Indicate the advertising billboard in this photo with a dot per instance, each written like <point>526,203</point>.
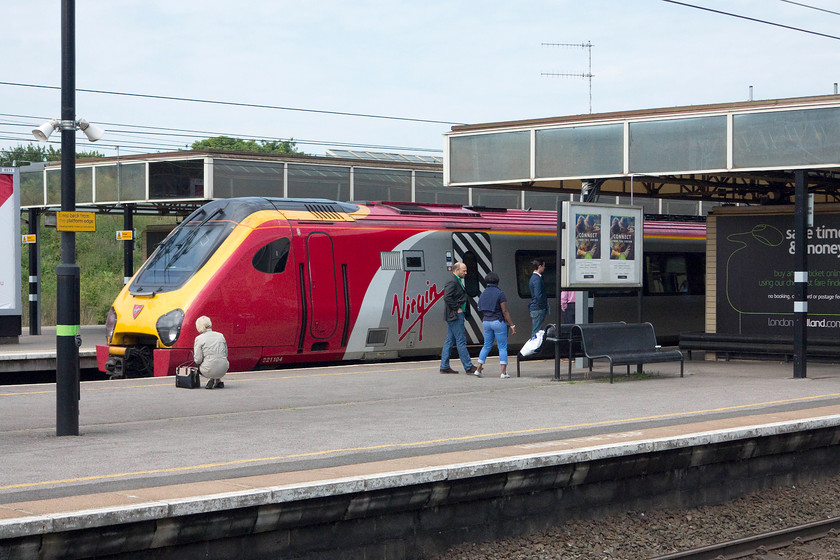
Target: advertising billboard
<point>10,301</point>
<point>755,266</point>
<point>602,245</point>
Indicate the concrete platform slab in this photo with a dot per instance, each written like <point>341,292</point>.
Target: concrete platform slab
<point>146,444</point>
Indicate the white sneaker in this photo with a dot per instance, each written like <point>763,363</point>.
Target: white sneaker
<point>505,376</point>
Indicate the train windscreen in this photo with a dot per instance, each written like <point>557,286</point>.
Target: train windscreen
<point>182,253</point>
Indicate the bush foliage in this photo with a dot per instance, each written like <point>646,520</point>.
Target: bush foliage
<point>100,259</point>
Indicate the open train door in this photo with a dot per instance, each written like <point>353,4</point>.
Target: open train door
<point>473,249</point>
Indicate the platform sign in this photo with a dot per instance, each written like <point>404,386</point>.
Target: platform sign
<point>75,221</point>
<point>602,245</point>
<point>10,297</point>
<point>125,234</point>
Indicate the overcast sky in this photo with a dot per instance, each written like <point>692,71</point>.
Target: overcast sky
<point>464,61</point>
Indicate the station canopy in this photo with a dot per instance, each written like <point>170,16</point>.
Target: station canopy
<point>743,152</point>
<point>178,182</point>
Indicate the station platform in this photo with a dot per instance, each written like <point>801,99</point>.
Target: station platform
<point>147,448</point>
<point>37,352</point>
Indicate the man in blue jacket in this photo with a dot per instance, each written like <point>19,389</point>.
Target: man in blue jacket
<point>539,300</point>
<point>455,306</point>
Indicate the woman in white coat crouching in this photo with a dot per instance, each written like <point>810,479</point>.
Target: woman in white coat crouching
<point>210,353</point>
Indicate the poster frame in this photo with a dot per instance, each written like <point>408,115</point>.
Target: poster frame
<point>596,265</point>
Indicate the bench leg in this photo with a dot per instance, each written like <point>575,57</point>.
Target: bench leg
<point>517,363</point>
<point>571,359</point>
<point>682,363</point>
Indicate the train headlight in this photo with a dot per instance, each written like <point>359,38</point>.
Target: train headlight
<point>169,326</point>
<point>110,324</point>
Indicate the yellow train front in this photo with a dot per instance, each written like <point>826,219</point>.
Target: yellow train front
<point>213,264</point>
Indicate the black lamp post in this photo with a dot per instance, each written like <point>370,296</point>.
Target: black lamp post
<point>68,315</point>
<point>68,328</point>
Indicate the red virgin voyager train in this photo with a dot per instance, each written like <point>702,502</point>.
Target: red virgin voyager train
<point>305,280</point>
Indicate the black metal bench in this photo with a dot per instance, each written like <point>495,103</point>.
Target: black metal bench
<point>565,344</point>
<point>623,344</point>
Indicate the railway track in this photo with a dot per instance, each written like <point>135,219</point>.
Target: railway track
<point>759,544</point>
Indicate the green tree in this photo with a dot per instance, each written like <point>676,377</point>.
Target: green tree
<point>25,153</point>
<point>29,153</point>
<point>226,143</point>
<point>83,155</point>
<point>100,259</point>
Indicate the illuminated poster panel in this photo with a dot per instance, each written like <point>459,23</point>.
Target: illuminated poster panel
<point>10,241</point>
<point>755,264</point>
<point>602,245</point>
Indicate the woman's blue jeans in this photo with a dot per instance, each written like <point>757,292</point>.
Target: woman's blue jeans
<point>494,331</point>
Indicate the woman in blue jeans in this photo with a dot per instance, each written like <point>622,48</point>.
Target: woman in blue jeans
<point>494,312</point>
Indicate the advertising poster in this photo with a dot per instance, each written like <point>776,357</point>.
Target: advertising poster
<point>622,245</point>
<point>602,245</point>
<point>755,265</point>
<point>587,247</point>
<point>9,242</point>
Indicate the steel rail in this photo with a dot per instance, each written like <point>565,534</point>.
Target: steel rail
<point>746,546</point>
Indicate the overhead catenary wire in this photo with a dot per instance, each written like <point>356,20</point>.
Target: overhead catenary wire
<point>123,137</point>
<point>753,19</point>
<point>173,145</point>
<point>811,7</point>
<point>238,104</point>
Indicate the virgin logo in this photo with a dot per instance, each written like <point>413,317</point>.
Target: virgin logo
<point>413,309</point>
<point>136,311</point>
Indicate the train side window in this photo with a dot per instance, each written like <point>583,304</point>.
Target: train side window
<point>272,258</point>
<point>413,260</point>
<point>524,269</point>
<point>666,274</point>
<point>696,273</point>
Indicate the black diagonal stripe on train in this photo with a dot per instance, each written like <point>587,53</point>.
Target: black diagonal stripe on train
<point>477,245</point>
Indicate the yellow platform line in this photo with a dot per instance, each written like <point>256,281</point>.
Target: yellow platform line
<point>412,444</point>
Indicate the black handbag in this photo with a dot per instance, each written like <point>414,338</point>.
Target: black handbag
<point>187,376</point>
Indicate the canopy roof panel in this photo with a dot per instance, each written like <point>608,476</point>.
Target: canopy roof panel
<point>745,149</point>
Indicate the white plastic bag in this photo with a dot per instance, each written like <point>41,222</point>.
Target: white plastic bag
<point>533,345</point>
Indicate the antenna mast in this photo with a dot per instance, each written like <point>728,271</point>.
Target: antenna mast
<point>588,75</point>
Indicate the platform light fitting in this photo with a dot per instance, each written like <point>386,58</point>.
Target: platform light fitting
<point>43,132</point>
<point>92,131</point>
